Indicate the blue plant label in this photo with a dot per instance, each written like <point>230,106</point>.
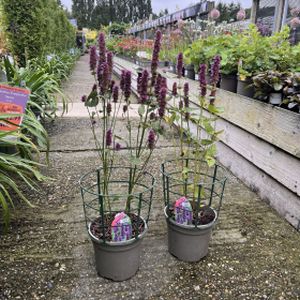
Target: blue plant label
<point>183,211</point>
<point>121,228</point>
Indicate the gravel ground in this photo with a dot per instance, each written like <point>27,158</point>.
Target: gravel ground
<point>254,253</point>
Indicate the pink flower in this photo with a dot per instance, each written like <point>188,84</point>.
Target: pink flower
<point>295,11</point>
<point>241,15</point>
<point>215,14</point>
<point>295,22</point>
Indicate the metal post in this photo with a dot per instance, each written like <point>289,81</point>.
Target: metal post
<point>279,15</point>
<point>254,11</point>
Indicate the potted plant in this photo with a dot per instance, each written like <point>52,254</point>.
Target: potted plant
<point>117,199</point>
<point>270,85</point>
<point>291,93</point>
<point>193,183</point>
<point>229,63</point>
<point>251,52</point>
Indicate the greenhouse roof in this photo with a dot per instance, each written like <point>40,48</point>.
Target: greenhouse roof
<point>189,12</point>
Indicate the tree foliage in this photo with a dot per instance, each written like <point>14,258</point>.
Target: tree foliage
<point>228,11</point>
<point>93,14</point>
<point>36,27</point>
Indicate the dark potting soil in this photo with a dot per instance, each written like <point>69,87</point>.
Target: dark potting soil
<point>138,226</point>
<point>205,215</point>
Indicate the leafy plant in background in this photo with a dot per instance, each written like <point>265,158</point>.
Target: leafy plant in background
<point>15,170</point>
<point>251,51</point>
<point>269,82</point>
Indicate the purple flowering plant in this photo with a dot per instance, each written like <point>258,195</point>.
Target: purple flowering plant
<point>109,103</point>
<point>197,121</point>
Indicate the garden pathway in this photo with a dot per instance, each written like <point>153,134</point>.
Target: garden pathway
<point>254,254</point>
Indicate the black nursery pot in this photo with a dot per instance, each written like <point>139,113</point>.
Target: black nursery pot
<point>229,83</point>
<point>245,88</point>
<point>189,72</point>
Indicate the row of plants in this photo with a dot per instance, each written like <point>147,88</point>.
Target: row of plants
<point>252,64</point>
<point>20,149</point>
<point>117,196</point>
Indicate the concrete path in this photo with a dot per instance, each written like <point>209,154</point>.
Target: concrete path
<point>254,254</point>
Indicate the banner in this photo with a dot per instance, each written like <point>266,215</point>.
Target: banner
<point>13,100</point>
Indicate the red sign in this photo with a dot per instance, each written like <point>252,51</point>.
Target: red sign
<point>13,100</point>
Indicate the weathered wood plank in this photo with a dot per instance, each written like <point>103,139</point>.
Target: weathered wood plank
<point>280,165</point>
<point>286,203</point>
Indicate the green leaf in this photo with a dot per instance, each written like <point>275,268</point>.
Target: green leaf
<point>141,110</point>
<point>206,142</point>
<point>215,110</point>
<point>210,161</point>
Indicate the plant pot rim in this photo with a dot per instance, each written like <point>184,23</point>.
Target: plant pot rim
<point>191,227</point>
<point>247,79</point>
<point>118,244</point>
<point>232,75</point>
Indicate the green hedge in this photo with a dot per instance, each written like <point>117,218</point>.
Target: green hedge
<point>35,28</point>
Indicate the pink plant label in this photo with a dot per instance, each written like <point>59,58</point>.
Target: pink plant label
<point>121,228</point>
<point>183,211</point>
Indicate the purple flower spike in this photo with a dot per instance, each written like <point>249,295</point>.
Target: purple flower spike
<point>115,94</point>
<point>122,81</point>
<point>93,58</point>
<point>174,89</point>
<point>143,87</point>
<point>179,65</point>
<point>110,63</point>
<point>155,54</point>
<point>151,139</point>
<point>186,99</point>
<point>83,98</point>
<point>108,137</point>
<point>103,77</point>
<point>118,147</point>
<point>102,48</point>
<point>164,83</point>
<point>152,116</point>
<point>215,70</point>
<point>127,85</point>
<point>157,85</point>
<point>202,80</point>
<point>108,109</point>
<point>125,108</point>
<point>94,87</point>
<point>180,104</point>
<point>162,102</point>
<point>112,84</point>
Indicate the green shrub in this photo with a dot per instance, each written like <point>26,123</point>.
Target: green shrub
<point>36,27</point>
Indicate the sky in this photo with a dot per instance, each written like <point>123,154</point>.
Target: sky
<point>158,5</point>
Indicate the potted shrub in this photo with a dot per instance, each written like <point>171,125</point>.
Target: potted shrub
<point>270,84</point>
<point>117,199</point>
<point>251,52</point>
<point>193,183</point>
<point>229,63</point>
